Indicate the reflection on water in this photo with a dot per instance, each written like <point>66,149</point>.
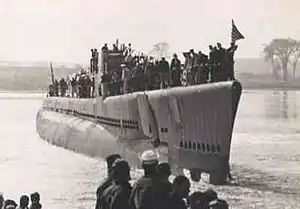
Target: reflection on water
<point>281,105</point>
<point>267,112</point>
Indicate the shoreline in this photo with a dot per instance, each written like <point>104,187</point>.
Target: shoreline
<point>22,91</point>
<point>256,85</point>
<point>268,88</point>
<point>245,87</point>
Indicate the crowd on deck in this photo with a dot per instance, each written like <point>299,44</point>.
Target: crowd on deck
<point>131,72</point>
<point>80,85</point>
<point>140,72</point>
<point>23,204</point>
<point>153,190</point>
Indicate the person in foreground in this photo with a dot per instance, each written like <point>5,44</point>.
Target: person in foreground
<point>108,180</point>
<point>180,190</point>
<point>116,196</point>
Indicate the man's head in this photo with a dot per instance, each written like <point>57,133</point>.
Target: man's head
<point>210,47</point>
<point>35,197</point>
<point>181,186</point>
<point>110,160</point>
<point>219,45</point>
<point>175,55</point>
<point>10,204</point>
<point>121,171</point>
<point>210,194</point>
<point>149,160</point>
<point>24,201</point>
<point>163,170</point>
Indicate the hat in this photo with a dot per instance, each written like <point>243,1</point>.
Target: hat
<point>10,204</point>
<point>149,157</point>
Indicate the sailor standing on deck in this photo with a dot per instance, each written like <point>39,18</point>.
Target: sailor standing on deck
<point>230,60</point>
<point>213,63</point>
<point>92,60</point>
<point>203,70</point>
<point>125,77</point>
<point>95,61</point>
<point>164,72</point>
<point>180,190</point>
<point>175,71</point>
<point>221,70</point>
<point>128,50</point>
<point>193,67</point>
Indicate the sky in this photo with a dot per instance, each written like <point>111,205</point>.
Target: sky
<point>65,30</point>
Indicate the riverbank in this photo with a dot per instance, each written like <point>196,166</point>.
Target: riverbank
<point>270,87</point>
<point>246,86</point>
<point>266,82</point>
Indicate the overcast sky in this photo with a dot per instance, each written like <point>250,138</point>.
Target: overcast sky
<point>65,30</point>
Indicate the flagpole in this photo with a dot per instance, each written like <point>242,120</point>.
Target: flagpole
<point>52,73</point>
<point>232,24</point>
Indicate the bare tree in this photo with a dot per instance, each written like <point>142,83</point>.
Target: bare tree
<point>283,49</point>
<point>295,57</point>
<point>160,50</point>
<point>269,55</point>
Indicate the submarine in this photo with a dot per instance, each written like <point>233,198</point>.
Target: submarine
<point>190,127</point>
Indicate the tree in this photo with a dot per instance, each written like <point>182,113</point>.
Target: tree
<point>294,61</point>
<point>282,49</point>
<point>269,55</point>
<point>160,50</point>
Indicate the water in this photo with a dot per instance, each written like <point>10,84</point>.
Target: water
<point>265,156</point>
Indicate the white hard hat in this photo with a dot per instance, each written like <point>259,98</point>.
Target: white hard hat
<point>149,157</point>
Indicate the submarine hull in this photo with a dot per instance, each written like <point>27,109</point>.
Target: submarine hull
<point>190,127</point>
<point>88,138</point>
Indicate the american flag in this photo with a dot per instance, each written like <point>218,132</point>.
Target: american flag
<point>235,33</point>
